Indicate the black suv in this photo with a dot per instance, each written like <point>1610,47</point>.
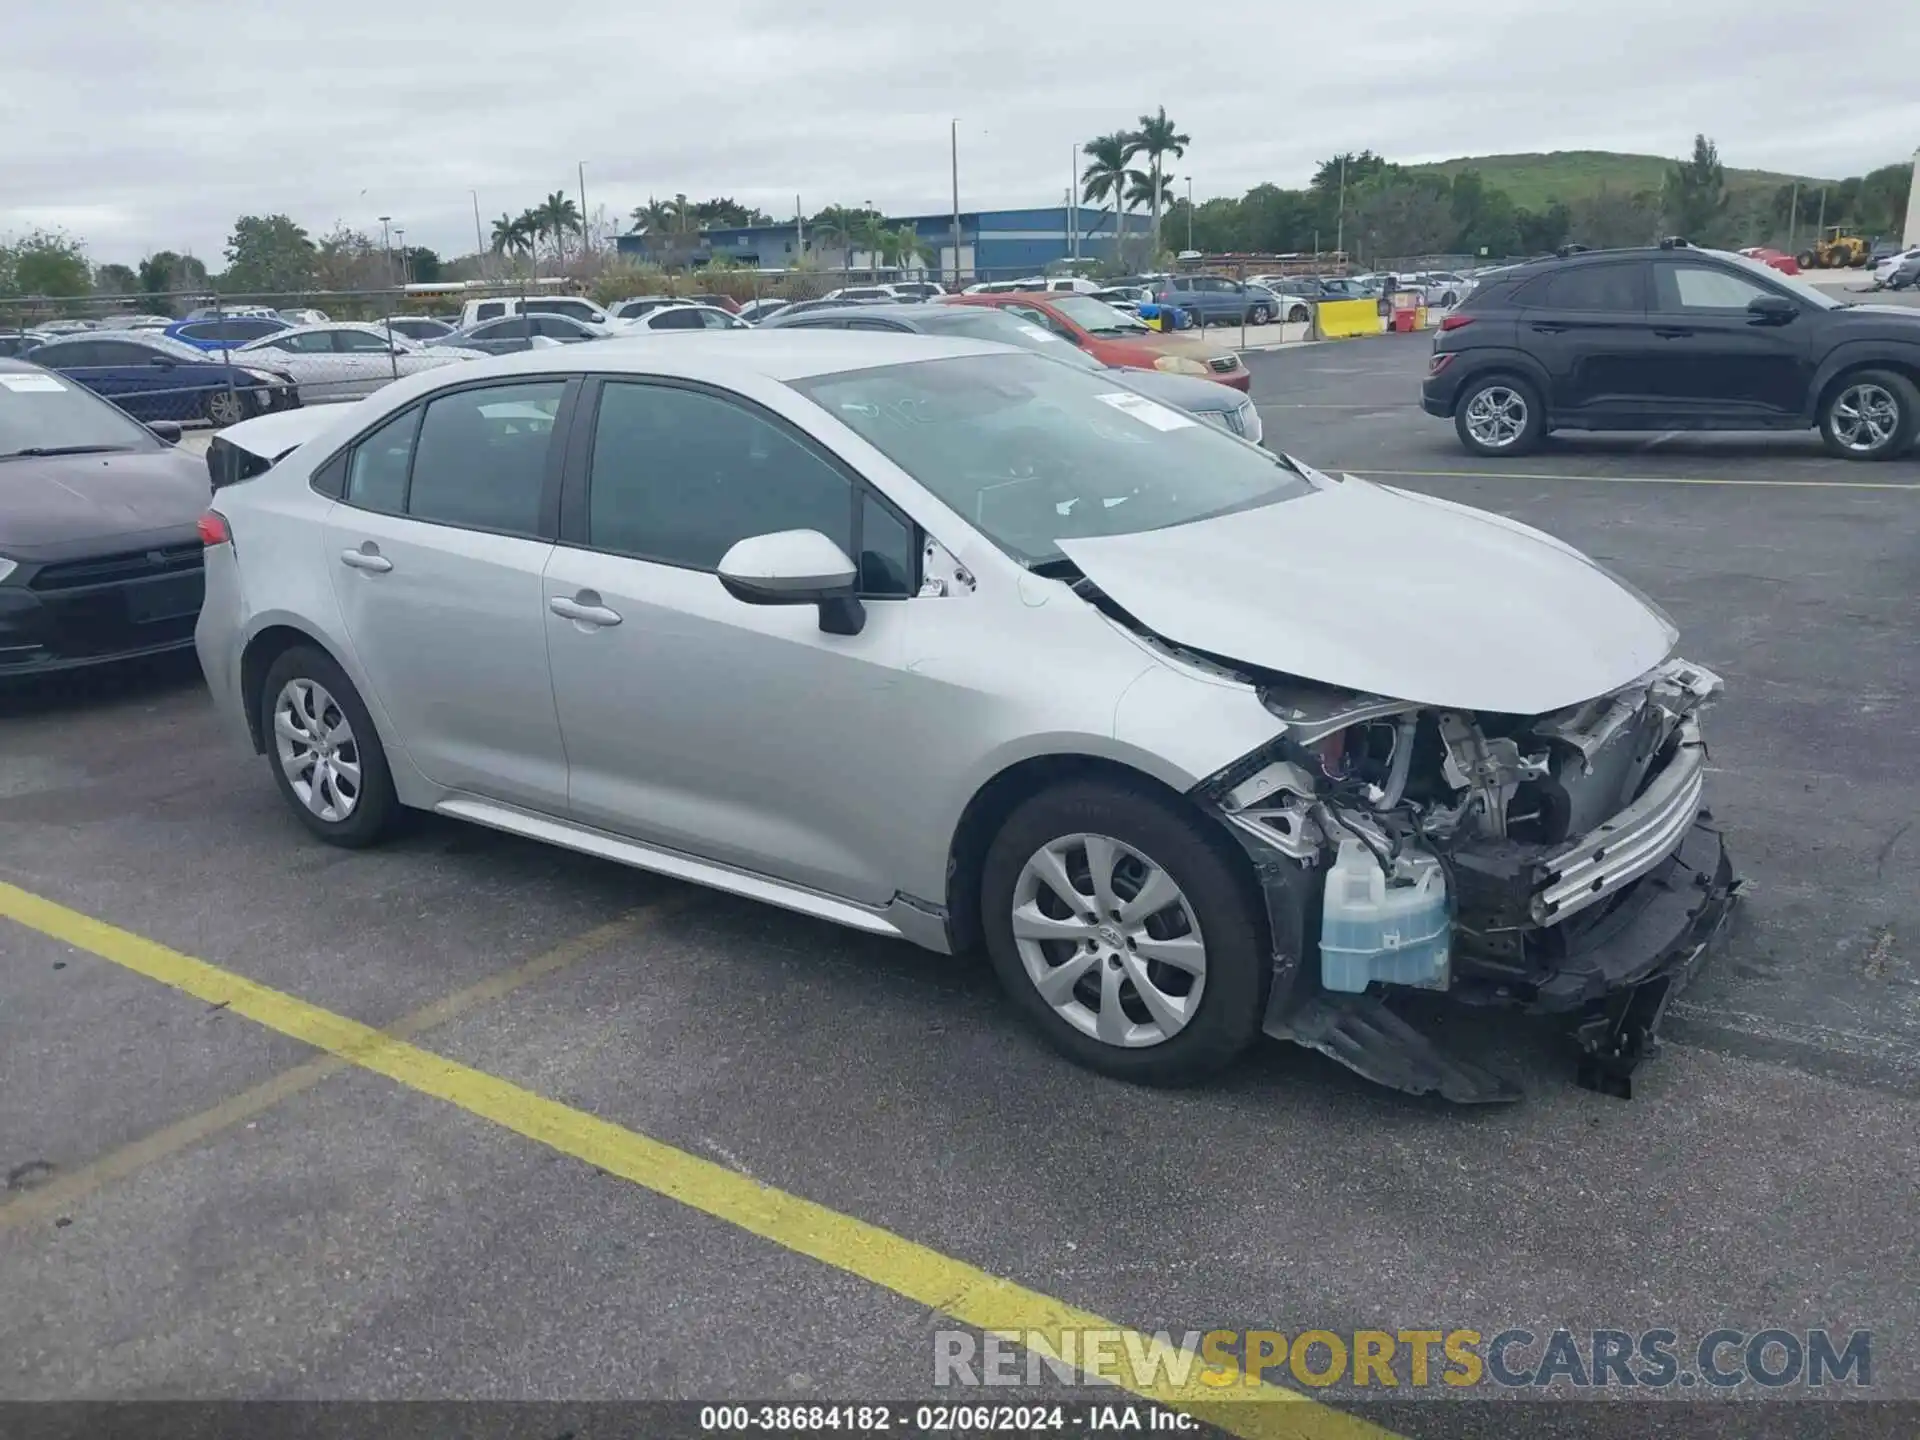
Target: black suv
<point>1673,338</point>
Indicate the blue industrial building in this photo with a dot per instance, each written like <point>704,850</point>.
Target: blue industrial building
<point>993,243</point>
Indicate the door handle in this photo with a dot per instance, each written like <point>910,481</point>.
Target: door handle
<point>1673,334</point>
<point>371,560</point>
<point>586,609</point>
<point>1550,329</point>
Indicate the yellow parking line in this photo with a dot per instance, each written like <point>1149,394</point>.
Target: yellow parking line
<point>954,1288</point>
<point>1640,479</point>
<point>65,1190</point>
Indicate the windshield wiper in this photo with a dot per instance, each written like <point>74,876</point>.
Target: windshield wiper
<point>33,450</point>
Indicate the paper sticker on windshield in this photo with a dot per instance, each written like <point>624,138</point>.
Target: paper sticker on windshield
<point>1034,332</point>
<point>1146,411</point>
<point>31,382</point>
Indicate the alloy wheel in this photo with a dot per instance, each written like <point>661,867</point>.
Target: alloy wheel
<point>314,742</point>
<point>1497,417</point>
<point>1865,418</point>
<point>225,407</point>
<point>1109,940</point>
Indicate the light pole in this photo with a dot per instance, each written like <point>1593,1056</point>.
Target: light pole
<point>583,209</point>
<point>956,204</point>
<point>479,244</point>
<point>386,246</point>
<point>401,235</point>
<point>1189,212</point>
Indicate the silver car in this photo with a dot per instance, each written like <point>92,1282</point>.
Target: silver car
<point>941,640</point>
<point>344,361</point>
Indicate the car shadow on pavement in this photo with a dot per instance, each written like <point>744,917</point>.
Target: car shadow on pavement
<point>100,687</point>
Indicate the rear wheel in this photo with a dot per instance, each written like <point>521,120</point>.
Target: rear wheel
<point>1500,415</point>
<point>1806,259</point>
<point>1260,315</point>
<point>326,756</point>
<point>1870,415</point>
<point>1120,928</point>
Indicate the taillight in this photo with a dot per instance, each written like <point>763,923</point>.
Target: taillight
<point>213,529</point>
<point>1456,322</point>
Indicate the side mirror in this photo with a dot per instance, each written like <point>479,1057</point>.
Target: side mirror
<point>166,431</point>
<point>1772,309</point>
<point>796,567</point>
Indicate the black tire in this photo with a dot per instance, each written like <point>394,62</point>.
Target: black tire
<point>1299,315</point>
<point>375,806</point>
<point>226,407</point>
<point>1525,401</point>
<point>1883,393</point>
<point>1260,315</point>
<point>1806,260</point>
<point>1449,300</point>
<point>1231,921</point>
<point>1199,318</point>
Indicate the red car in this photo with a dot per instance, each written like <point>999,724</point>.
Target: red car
<point>1778,259</point>
<point>1115,338</point>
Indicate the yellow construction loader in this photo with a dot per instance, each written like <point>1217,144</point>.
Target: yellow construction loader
<point>1835,250</point>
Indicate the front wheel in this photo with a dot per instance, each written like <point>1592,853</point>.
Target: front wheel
<point>1124,932</point>
<point>1499,416</point>
<point>1261,315</point>
<point>225,407</point>
<point>1299,315</point>
<point>326,756</point>
<point>1870,415</point>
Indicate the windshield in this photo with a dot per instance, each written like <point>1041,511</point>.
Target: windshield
<point>1096,317</point>
<point>42,413</point>
<point>978,323</point>
<point>1033,453</point>
<point>1812,294</point>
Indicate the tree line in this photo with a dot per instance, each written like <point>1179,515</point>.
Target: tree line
<point>1379,209</point>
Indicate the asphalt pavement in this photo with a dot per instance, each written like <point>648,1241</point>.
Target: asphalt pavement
<point>198,1206</point>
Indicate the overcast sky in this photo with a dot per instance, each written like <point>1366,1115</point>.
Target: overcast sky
<point>140,127</point>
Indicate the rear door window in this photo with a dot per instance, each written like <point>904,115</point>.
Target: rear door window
<point>377,473</point>
<point>1616,288</point>
<point>480,461</point>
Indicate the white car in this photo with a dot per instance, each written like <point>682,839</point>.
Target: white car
<point>754,311</point>
<point>345,361</point>
<point>1885,269</point>
<point>571,306</point>
<point>877,293</point>
<point>305,317</point>
<point>682,317</point>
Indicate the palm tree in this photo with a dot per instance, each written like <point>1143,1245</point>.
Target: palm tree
<point>559,217</point>
<point>870,232</point>
<point>1158,138</point>
<point>683,216</point>
<point>533,226</point>
<point>654,217</point>
<point>1105,179</point>
<point>904,246</point>
<point>833,227</point>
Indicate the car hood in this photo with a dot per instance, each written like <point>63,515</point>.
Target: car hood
<point>49,505</point>
<point>1185,392</point>
<point>1389,593</point>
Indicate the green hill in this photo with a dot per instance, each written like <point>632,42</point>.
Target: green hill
<point>1534,180</point>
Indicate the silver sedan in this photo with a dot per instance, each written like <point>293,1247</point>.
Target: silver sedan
<point>942,640</point>
<point>345,361</point>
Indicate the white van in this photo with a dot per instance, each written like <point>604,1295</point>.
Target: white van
<point>572,306</point>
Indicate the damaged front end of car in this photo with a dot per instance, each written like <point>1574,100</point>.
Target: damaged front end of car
<point>1559,864</point>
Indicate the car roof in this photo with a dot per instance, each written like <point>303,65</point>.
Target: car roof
<point>781,355</point>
